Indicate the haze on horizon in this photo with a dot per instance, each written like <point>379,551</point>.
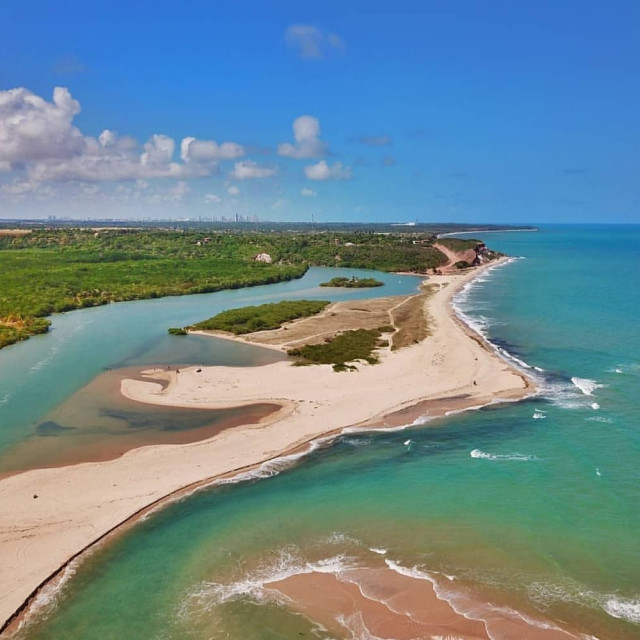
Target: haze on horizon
<point>462,111</point>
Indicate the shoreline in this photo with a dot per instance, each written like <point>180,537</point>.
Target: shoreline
<point>147,478</point>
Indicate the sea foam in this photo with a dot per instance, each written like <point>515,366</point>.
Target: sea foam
<point>585,385</point>
<point>624,608</point>
<point>517,457</point>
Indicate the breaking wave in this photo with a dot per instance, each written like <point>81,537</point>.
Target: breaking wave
<point>585,385</point>
<point>613,604</point>
<point>517,457</point>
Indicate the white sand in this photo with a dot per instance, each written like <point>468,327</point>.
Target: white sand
<point>79,504</point>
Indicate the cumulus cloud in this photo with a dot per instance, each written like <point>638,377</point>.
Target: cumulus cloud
<point>309,42</point>
<point>306,133</point>
<point>308,193</point>
<point>212,198</point>
<point>232,190</point>
<point>39,137</point>
<point>375,141</point>
<point>323,171</point>
<point>32,129</point>
<point>208,151</point>
<point>248,170</point>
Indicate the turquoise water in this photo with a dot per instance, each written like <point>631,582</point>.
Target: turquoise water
<point>39,374</point>
<point>532,505</point>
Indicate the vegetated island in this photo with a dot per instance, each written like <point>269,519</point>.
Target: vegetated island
<point>338,349</point>
<point>431,365</point>
<point>260,317</point>
<point>49,269</point>
<point>352,283</point>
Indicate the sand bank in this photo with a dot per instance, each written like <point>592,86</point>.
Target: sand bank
<point>404,604</point>
<point>48,516</point>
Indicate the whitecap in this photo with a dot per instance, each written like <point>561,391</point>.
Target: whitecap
<point>595,406</point>
<point>254,585</point>
<point>517,457</point>
<point>272,467</point>
<point>539,415</point>
<point>547,594</point>
<point>379,550</point>
<point>623,608</point>
<point>600,419</point>
<point>585,385</point>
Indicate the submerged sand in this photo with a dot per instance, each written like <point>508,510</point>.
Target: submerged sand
<point>49,516</point>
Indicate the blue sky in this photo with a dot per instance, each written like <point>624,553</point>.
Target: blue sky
<point>469,111</point>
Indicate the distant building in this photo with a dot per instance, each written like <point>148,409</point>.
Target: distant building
<point>263,257</point>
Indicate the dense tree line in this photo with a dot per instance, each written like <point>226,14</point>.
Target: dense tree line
<point>54,270</point>
<point>261,317</point>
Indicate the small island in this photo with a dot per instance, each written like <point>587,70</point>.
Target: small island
<point>352,283</point>
<point>260,317</point>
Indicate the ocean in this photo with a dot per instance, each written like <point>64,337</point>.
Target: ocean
<point>523,513</point>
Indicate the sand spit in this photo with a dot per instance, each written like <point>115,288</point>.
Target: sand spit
<point>48,516</point>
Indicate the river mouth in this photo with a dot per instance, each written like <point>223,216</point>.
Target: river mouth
<point>98,423</point>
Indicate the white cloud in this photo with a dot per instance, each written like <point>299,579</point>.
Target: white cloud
<point>247,170</point>
<point>322,171</point>
<point>207,151</point>
<point>308,193</point>
<point>232,190</point>
<point>310,42</point>
<point>20,188</point>
<point>306,132</point>
<point>158,151</point>
<point>212,198</point>
<point>32,129</point>
<point>39,137</point>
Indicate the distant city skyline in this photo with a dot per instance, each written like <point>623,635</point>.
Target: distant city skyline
<point>461,111</point>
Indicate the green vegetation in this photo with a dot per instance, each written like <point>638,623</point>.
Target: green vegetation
<point>462,264</point>
<point>261,317</point>
<point>53,271</point>
<point>177,331</point>
<point>60,269</point>
<point>352,283</point>
<point>459,244</point>
<point>345,347</point>
<point>14,328</point>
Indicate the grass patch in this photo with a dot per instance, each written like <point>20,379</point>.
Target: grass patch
<point>261,317</point>
<point>352,283</point>
<point>411,320</point>
<point>459,245</point>
<point>359,344</point>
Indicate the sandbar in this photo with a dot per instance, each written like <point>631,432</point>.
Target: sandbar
<point>50,516</point>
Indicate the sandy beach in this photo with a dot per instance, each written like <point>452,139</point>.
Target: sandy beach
<point>49,516</point>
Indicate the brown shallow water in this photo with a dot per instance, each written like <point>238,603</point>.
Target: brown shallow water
<point>382,603</point>
<point>97,423</point>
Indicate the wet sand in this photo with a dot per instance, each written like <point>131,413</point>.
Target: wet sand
<point>388,603</point>
<point>46,520</point>
<point>98,423</point>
